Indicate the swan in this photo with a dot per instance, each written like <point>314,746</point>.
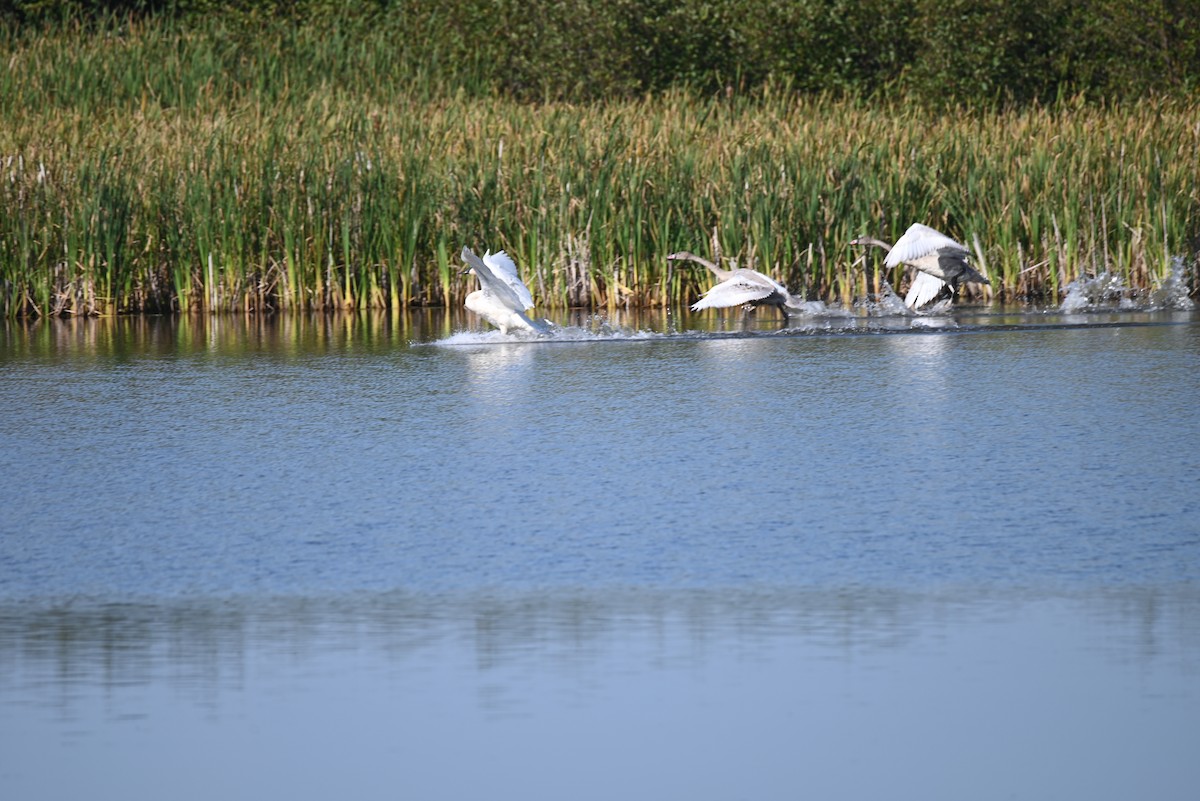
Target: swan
<point>738,287</point>
<point>502,298</point>
<point>939,260</point>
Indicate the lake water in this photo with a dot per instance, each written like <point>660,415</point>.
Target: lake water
<point>651,556</point>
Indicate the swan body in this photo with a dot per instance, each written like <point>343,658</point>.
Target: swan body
<point>940,261</point>
<point>502,298</point>
<point>738,287</point>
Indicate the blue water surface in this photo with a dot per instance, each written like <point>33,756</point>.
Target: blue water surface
<point>675,558</point>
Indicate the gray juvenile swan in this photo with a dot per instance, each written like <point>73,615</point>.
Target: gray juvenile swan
<point>940,261</point>
<point>738,287</point>
<point>502,298</point>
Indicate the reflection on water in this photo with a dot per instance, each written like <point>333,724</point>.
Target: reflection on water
<point>371,332</point>
<point>280,335</point>
<point>601,695</point>
<point>58,646</point>
<point>227,336</point>
<point>498,370</point>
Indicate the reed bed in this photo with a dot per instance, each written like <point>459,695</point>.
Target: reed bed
<point>146,168</point>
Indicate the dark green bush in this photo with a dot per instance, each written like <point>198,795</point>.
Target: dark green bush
<point>939,52</point>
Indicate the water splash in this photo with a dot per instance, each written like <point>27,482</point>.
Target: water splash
<point>1103,291</point>
<point>1172,291</point>
<point>1107,291</point>
<point>934,323</point>
<point>817,308</point>
<point>887,304</point>
<point>594,329</point>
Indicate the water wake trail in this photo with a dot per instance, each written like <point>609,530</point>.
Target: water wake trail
<point>556,334</point>
<point>877,319</point>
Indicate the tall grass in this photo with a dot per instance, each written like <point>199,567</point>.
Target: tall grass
<point>145,167</point>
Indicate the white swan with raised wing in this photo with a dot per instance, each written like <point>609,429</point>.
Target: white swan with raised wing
<point>939,260</point>
<point>502,298</point>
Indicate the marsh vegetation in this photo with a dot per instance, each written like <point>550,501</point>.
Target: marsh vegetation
<point>149,163</point>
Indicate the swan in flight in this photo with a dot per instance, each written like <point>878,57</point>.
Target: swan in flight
<point>502,298</point>
<point>738,287</point>
<point>940,261</point>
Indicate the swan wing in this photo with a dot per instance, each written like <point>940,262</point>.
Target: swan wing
<point>497,288</point>
<point>919,240</point>
<point>500,262</point>
<point>506,269</point>
<point>734,292</point>
<point>755,277</point>
<point>925,288</point>
<point>522,320</point>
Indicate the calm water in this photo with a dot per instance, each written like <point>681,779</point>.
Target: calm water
<point>659,557</point>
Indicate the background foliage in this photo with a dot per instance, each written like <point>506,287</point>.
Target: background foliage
<point>933,51</point>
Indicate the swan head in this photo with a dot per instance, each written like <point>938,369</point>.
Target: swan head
<point>684,255</point>
<point>868,241</point>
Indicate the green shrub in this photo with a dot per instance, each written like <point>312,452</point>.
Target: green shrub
<point>937,52</point>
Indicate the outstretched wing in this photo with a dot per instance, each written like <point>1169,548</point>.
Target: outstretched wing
<point>736,291</point>
<point>493,284</point>
<point>755,277</point>
<point>925,288</point>
<point>505,268</point>
<point>919,240</point>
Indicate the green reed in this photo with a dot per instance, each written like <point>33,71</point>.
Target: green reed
<point>147,167</point>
